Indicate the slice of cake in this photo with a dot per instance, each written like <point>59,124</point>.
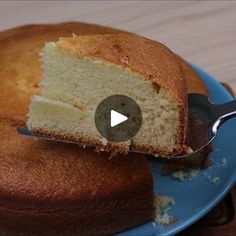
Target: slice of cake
<point>80,71</point>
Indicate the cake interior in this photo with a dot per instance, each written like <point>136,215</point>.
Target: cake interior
<point>73,87</point>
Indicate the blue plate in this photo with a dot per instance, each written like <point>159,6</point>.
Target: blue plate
<point>197,197</point>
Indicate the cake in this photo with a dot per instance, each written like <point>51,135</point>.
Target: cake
<point>194,83</point>
<point>55,189</point>
<point>31,170</point>
<point>21,71</point>
<point>81,71</point>
<point>50,188</point>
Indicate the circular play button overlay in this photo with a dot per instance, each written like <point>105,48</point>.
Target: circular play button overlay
<point>118,118</point>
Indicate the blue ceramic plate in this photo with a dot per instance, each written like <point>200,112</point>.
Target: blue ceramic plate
<point>197,197</point>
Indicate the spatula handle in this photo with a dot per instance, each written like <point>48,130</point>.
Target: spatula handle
<point>225,111</point>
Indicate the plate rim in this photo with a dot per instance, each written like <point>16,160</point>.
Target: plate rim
<point>229,184</point>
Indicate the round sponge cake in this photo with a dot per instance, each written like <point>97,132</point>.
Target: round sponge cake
<point>54,189</point>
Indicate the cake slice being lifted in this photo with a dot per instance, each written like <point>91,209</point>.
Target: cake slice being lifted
<point>80,71</point>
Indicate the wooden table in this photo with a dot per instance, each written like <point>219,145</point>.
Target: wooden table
<point>201,32</point>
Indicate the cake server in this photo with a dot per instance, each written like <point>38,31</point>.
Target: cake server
<point>207,117</point>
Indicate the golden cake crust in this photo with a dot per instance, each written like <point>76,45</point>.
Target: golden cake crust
<point>194,83</point>
<point>150,58</point>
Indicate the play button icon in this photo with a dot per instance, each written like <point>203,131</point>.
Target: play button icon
<point>118,118</point>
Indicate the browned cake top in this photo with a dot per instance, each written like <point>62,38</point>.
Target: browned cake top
<point>194,83</point>
<point>150,58</point>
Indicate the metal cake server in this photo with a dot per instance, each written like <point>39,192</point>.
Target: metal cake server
<point>207,118</point>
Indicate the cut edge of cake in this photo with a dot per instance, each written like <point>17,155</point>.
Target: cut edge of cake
<point>86,56</point>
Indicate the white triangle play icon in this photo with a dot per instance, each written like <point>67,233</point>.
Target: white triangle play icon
<point>117,118</point>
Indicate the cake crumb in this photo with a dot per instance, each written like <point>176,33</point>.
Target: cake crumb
<point>104,141</point>
<point>223,162</point>
<point>162,205</point>
<point>189,150</point>
<point>183,175</point>
<point>214,180</point>
<point>194,173</point>
<point>179,175</point>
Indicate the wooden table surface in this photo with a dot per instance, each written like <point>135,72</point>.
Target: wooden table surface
<point>202,32</point>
